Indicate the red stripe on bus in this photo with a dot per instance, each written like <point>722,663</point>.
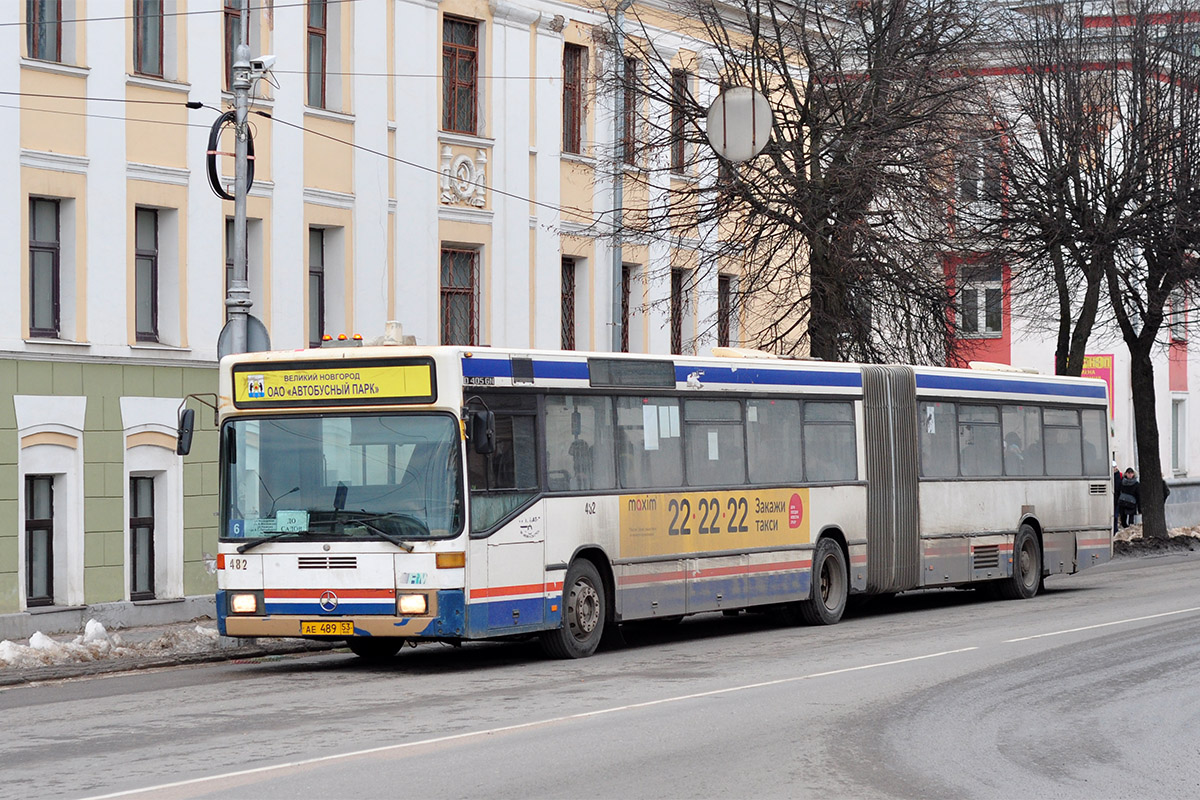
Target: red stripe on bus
<point>1093,542</point>
<point>653,577</point>
<point>715,572</point>
<point>506,591</point>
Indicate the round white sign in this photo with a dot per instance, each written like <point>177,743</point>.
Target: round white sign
<point>739,123</point>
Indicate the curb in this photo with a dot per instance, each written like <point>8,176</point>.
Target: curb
<point>56,672</point>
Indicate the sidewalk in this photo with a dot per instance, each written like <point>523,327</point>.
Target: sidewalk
<point>98,651</point>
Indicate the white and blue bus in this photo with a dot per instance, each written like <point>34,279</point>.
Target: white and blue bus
<point>394,494</point>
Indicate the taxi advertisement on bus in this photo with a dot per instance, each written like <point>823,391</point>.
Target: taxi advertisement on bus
<point>693,522</point>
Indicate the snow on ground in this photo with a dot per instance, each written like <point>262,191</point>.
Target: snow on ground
<point>97,644</point>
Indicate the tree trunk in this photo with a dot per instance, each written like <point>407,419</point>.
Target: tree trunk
<point>1145,422</point>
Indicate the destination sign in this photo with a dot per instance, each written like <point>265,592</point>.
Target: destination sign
<point>343,383</point>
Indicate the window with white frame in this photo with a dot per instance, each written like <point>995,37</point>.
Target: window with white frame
<point>726,315</point>
<point>154,502</point>
<point>154,38</point>
<point>51,229</point>
<point>156,275</point>
<point>1179,433</point>
<point>980,302</point>
<point>50,499</point>
<point>460,75</point>
<point>43,29</point>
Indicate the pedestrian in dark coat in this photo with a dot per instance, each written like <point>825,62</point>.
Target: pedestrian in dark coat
<point>1129,501</point>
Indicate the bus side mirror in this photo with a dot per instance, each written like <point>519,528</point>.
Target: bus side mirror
<point>183,437</point>
<point>483,432</point>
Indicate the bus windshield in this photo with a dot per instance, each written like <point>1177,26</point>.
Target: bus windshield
<point>389,476</point>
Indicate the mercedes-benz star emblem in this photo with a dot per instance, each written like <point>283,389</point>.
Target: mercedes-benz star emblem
<point>329,601</point>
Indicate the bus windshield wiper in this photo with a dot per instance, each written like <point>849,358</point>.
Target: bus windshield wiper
<point>380,532</point>
<point>251,545</point>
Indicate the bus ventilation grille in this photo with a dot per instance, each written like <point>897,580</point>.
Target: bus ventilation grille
<point>1098,488</point>
<point>986,556</point>
<point>327,562</point>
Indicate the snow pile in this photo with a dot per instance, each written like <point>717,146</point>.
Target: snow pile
<point>195,640</point>
<point>94,644</point>
<point>1129,541</point>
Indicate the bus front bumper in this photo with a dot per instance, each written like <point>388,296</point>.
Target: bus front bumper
<point>448,621</point>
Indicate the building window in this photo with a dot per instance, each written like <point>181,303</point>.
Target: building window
<point>43,29</point>
<point>459,320</point>
<point>141,538</point>
<point>980,303</point>
<point>316,286</point>
<point>574,58</point>
<point>460,60</point>
<point>44,267</point>
<point>568,304</point>
<point>233,36</point>
<point>629,105</point>
<point>676,310</point>
<point>679,96</point>
<point>626,290</point>
<point>148,37</point>
<point>724,309</point>
<point>145,268</point>
<point>1179,436</point>
<point>318,40</point>
<point>1177,316</point>
<point>39,540</point>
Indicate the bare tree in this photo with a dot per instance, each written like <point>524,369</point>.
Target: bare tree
<point>1102,136</point>
<point>839,227</point>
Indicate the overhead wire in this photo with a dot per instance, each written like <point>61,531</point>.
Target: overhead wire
<point>595,216</point>
<point>272,7</point>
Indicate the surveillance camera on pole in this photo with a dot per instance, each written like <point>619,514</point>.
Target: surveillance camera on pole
<point>241,327</point>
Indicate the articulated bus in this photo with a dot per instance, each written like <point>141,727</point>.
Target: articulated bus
<point>385,495</point>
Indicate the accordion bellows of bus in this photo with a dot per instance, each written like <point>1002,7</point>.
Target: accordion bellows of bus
<point>385,495</point>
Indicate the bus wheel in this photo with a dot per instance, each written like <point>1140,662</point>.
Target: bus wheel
<point>583,610</point>
<point>1026,576</point>
<point>371,648</point>
<point>830,585</point>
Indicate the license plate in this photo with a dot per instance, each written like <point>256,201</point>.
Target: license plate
<point>326,628</point>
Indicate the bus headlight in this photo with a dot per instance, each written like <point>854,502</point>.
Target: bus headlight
<point>243,603</point>
<point>412,604</point>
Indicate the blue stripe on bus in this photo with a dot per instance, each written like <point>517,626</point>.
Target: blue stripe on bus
<point>752,376</point>
<point>486,368</point>
<point>1008,386</point>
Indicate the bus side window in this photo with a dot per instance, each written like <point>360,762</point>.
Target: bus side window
<point>1064,445</point>
<point>979,443</point>
<point>830,452</point>
<point>716,450</point>
<point>507,478</point>
<point>1022,440</point>
<point>579,444</point>
<point>773,441</point>
<point>1095,443</point>
<point>939,445</point>
<point>649,454</point>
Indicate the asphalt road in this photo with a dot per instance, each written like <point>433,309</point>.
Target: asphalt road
<point>1091,690</point>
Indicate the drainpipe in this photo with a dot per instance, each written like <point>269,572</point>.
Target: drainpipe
<point>618,258</point>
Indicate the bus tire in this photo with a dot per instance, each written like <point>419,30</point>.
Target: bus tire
<point>375,648</point>
<point>830,585</point>
<point>583,611</point>
<point>1026,578</point>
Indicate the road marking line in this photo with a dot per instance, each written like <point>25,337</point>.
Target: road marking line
<point>521,726</point>
<point>1104,625</point>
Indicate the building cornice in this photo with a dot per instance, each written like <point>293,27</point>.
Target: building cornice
<point>155,173</point>
<point>56,162</point>
<point>325,197</point>
<point>474,216</point>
